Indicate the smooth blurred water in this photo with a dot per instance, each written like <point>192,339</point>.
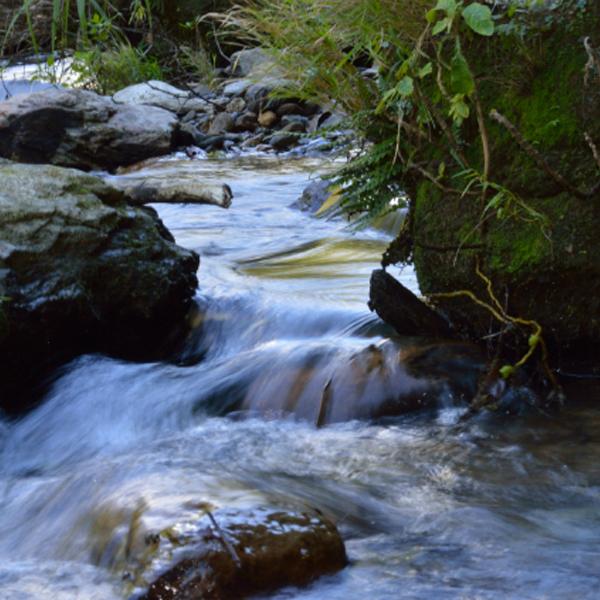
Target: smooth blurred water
<point>498,507</point>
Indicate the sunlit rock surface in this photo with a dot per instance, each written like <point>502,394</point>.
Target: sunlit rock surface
<point>77,128</point>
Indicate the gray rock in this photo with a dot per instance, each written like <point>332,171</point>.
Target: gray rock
<point>313,196</point>
<point>162,95</point>
<point>332,120</point>
<point>189,116</point>
<point>17,87</point>
<point>222,123</point>
<point>202,90</point>
<point>236,88</point>
<point>236,105</point>
<point>81,271</point>
<point>171,186</point>
<point>253,141</point>
<point>77,128</point>
<point>283,141</point>
<point>247,61</point>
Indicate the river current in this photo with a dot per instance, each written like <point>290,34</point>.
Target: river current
<point>498,507</point>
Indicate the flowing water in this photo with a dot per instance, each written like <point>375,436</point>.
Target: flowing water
<point>499,507</point>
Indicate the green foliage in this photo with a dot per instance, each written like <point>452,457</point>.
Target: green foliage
<point>441,67</point>
<point>369,183</point>
<point>111,70</point>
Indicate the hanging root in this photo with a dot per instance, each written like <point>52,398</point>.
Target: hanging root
<point>483,397</point>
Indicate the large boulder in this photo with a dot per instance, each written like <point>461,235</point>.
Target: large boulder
<point>80,270</point>
<point>505,242</point>
<point>77,128</point>
<point>235,555</point>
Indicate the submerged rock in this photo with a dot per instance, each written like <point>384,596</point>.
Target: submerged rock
<point>383,380</point>
<point>80,270</point>
<point>77,128</point>
<point>248,553</point>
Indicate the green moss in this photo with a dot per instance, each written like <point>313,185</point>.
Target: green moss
<point>517,249</point>
<point>546,110</point>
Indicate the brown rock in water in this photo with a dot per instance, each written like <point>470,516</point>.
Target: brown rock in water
<point>251,553</point>
<point>267,118</point>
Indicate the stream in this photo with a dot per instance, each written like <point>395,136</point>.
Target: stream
<point>497,507</point>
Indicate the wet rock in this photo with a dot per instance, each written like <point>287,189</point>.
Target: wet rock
<point>77,128</point>
<point>267,118</point>
<point>401,309</point>
<point>210,143</point>
<point>313,196</point>
<point>392,378</point>
<point>332,120</point>
<point>253,141</point>
<point>162,95</point>
<point>248,553</point>
<point>222,123</point>
<point>81,271</point>
<point>283,141</point>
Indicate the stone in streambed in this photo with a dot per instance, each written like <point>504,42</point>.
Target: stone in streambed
<point>246,122</point>
<point>400,308</point>
<point>313,196</point>
<point>77,128</point>
<point>236,105</point>
<point>283,141</point>
<point>82,271</point>
<point>267,118</point>
<point>251,552</point>
<point>222,123</point>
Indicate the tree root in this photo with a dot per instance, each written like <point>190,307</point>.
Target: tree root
<point>484,397</point>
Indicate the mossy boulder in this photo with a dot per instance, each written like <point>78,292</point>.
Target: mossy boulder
<point>80,271</point>
<point>526,245</point>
